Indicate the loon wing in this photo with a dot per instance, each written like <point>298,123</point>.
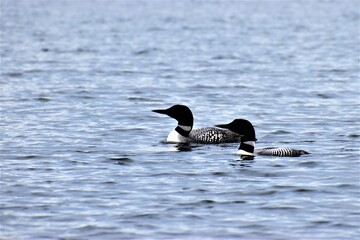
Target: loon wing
<point>213,135</point>
<point>281,152</point>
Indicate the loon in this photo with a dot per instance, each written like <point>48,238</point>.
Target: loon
<point>247,149</point>
<point>184,132</point>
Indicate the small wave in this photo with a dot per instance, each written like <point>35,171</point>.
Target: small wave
<point>82,95</point>
<point>346,185</point>
<point>85,50</point>
<point>278,165</point>
<point>193,216</point>
<point>198,203</point>
<point>109,182</point>
<point>279,132</point>
<point>145,51</point>
<point>88,227</point>
<point>303,190</point>
<point>84,151</point>
<point>279,207</point>
<point>121,160</point>
<point>143,99</point>
<point>42,99</point>
<point>161,174</point>
<point>320,222</point>
<point>35,70</point>
<point>143,215</point>
<point>255,173</point>
<point>14,74</point>
<point>265,193</point>
<point>323,95</point>
<point>219,173</point>
<point>354,135</point>
<point>309,164</point>
<point>28,156</point>
<point>334,70</point>
<point>225,57</point>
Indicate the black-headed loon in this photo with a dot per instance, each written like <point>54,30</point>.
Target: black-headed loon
<point>247,143</point>
<point>184,132</point>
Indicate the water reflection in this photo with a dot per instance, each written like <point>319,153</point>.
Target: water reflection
<point>183,147</point>
<point>186,147</point>
<point>240,163</point>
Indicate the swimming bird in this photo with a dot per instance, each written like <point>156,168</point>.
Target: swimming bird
<point>184,132</point>
<point>247,143</point>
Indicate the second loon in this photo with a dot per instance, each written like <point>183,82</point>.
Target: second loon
<point>184,132</point>
<point>247,149</point>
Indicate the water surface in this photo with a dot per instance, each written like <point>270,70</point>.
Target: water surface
<point>83,157</point>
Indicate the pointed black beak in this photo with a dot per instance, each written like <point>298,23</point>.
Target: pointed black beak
<point>226,126</point>
<point>161,111</point>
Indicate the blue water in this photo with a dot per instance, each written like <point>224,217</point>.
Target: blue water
<point>83,156</point>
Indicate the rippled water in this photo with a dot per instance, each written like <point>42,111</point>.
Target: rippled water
<point>83,156</point>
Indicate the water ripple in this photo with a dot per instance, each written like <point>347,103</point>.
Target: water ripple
<point>82,151</point>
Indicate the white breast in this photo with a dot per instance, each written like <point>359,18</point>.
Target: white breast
<point>245,153</point>
<point>175,137</point>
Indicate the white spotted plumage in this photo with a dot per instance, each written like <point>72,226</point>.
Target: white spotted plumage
<point>213,135</point>
<point>280,152</point>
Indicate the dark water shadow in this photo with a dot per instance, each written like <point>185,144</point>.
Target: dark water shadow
<point>121,160</point>
<point>239,163</point>
<point>183,147</point>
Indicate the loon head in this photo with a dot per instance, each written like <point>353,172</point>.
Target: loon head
<point>183,115</point>
<point>242,127</point>
<point>247,132</point>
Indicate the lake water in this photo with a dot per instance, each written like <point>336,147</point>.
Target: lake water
<point>83,156</point>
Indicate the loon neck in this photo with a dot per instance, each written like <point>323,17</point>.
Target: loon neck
<point>183,130</point>
<point>247,148</point>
